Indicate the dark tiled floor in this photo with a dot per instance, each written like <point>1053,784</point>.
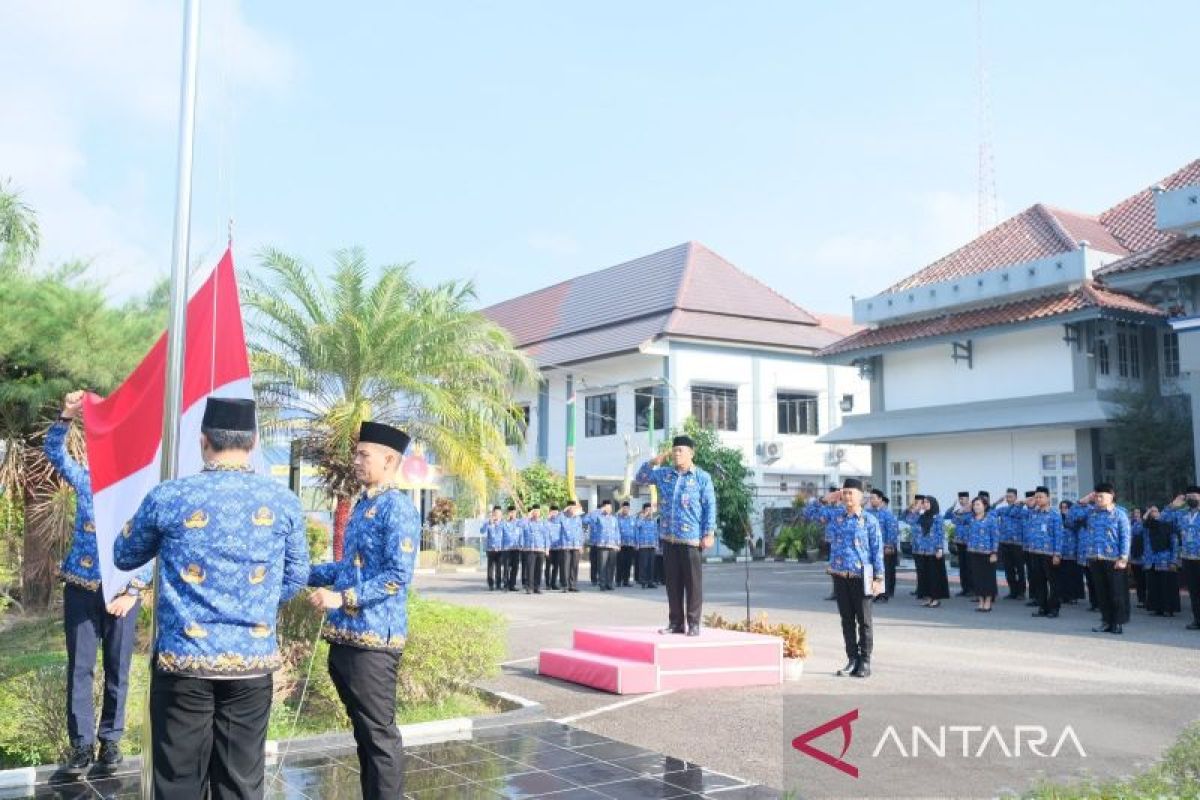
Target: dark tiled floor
<point>543,760</point>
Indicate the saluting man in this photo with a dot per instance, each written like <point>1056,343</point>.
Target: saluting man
<point>231,547</point>
<point>87,620</point>
<point>493,538</point>
<point>1184,514</point>
<point>647,540</point>
<point>367,621</point>
<point>535,542</point>
<point>960,516</point>
<point>1011,515</point>
<point>1043,544</point>
<point>1108,536</point>
<point>570,542</point>
<point>511,541</point>
<point>554,560</point>
<point>627,525</point>
<point>689,515</point>
<point>856,564</point>
<point>889,528</point>
<point>605,539</point>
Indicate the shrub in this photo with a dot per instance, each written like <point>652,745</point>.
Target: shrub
<point>318,535</point>
<point>448,648</point>
<point>795,637</point>
<point>468,556</point>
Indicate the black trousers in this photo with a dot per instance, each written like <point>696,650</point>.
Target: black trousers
<point>855,610</point>
<point>1070,580</point>
<point>366,682</point>
<point>1043,582</point>
<point>645,566</point>
<point>569,568</point>
<point>625,559</point>
<point>495,570</point>
<point>511,559</point>
<point>1013,559</point>
<point>535,565</point>
<point>660,569</point>
<point>89,626</point>
<point>605,560</point>
<point>685,585</point>
<point>1139,581</point>
<point>209,734</point>
<point>890,562</point>
<point>1112,591</point>
<point>594,563</point>
<point>964,568</point>
<point>1191,579</point>
<point>554,569</point>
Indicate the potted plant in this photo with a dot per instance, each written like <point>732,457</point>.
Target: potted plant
<point>795,639</point>
<point>790,543</point>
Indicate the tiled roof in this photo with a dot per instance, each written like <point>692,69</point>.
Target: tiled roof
<point>687,290</point>
<point>1037,232</point>
<point>841,324</point>
<point>1036,308</point>
<point>1172,251</point>
<point>1132,221</point>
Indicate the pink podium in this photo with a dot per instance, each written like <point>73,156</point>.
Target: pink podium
<point>636,660</point>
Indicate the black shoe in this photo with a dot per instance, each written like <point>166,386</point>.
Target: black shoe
<point>1052,614</point>
<point>79,761</point>
<point>572,589</point>
<point>665,631</point>
<point>851,665</point>
<point>863,670</point>
<point>110,755</point>
<point>537,591</point>
<point>880,598</point>
<point>1193,626</point>
<point>963,593</point>
<point>528,590</point>
<point>1040,613</point>
<point>1102,629</point>
<point>1117,629</point>
<point>694,630</point>
<point>1012,597</point>
<point>1033,603</point>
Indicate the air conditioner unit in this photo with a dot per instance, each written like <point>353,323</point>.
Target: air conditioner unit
<point>772,451</point>
<point>835,457</point>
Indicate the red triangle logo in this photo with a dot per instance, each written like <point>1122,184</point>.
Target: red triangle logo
<point>843,722</point>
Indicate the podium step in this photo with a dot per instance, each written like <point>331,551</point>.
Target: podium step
<point>608,673</point>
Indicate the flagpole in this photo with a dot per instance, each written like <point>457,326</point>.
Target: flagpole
<point>176,326</point>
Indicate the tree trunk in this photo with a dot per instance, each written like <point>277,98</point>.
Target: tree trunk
<point>341,516</point>
<point>37,568</point>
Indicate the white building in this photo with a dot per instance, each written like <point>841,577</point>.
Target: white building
<point>997,365</point>
<point>684,333</point>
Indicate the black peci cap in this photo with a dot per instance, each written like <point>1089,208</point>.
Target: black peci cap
<point>683,441</point>
<point>228,414</point>
<point>918,497</point>
<point>1193,489</point>
<point>964,494</point>
<point>1042,490</point>
<point>1011,490</point>
<point>386,435</point>
<point>852,483</point>
<point>1105,487</point>
<point>625,504</point>
<point>497,508</point>
<point>554,507</point>
<point>1028,495</point>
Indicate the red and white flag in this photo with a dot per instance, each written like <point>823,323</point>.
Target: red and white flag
<point>124,430</point>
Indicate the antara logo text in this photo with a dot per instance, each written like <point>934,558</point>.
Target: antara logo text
<point>944,741</point>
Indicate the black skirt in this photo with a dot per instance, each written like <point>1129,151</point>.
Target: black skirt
<point>936,584</point>
<point>1162,591</point>
<point>983,575</point>
<point>1070,580</point>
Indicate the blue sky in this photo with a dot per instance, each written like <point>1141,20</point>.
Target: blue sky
<point>828,149</point>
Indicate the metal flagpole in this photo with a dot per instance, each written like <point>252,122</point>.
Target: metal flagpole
<point>177,323</point>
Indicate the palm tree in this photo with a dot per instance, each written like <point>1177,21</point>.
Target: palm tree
<point>20,236</point>
<point>333,354</point>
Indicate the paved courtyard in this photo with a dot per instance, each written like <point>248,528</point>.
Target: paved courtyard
<point>950,655</point>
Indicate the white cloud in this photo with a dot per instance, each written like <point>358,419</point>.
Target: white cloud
<point>91,73</point>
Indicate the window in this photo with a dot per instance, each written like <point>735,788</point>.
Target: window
<point>1128,351</point>
<point>902,484</point>
<point>1170,354</point>
<point>517,438</point>
<point>715,407</point>
<point>1059,475</point>
<point>646,400</point>
<point>600,415</point>
<point>797,413</point>
<point>1102,356</point>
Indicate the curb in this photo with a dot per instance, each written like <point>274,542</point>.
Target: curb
<point>519,711</point>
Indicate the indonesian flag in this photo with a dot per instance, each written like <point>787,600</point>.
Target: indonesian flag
<point>124,430</point>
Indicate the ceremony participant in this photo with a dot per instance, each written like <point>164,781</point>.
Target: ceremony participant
<point>231,547</point>
<point>912,518</point>
<point>511,540</point>
<point>856,565</point>
<point>570,545</point>
<point>1161,564</point>
<point>647,541</point>
<point>818,510</point>
<point>961,515</point>
<point>1184,514</point>
<point>1043,543</point>
<point>929,540</point>
<point>1137,544</point>
<point>606,543</point>
<point>1070,574</point>
<point>1011,516</point>
<point>982,537</point>
<point>889,528</point>
<point>89,622</point>
<point>493,540</point>
<point>535,544</point>
<point>627,527</point>
<point>554,559</point>
<point>1107,531</point>
<point>689,516</point>
<point>367,620</point>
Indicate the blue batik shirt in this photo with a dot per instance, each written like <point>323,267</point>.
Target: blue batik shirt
<point>1012,522</point>
<point>927,544</point>
<point>889,526</point>
<point>1043,532</point>
<point>980,535</point>
<point>1107,532</point>
<point>231,547</point>
<point>570,532</point>
<point>959,518</point>
<point>1161,559</point>
<point>535,535</point>
<point>854,541</point>
<point>627,525</point>
<point>555,535</point>
<point>510,534</point>
<point>603,531</point>
<point>1070,541</point>
<point>688,502</point>
<point>1187,523</point>
<point>493,533</point>
<point>81,566</point>
<point>373,576</point>
<point>818,512</point>
<point>647,532</point>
